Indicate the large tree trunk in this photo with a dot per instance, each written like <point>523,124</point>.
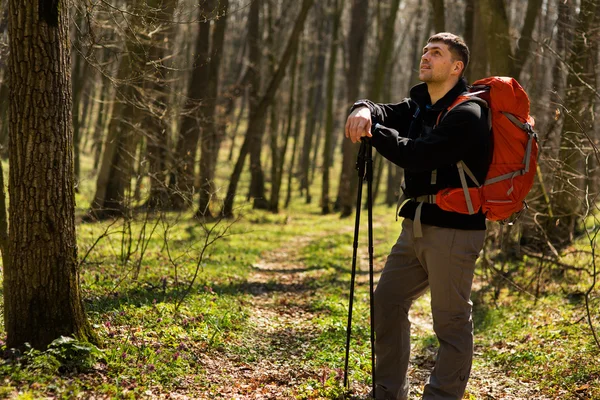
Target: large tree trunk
<point>211,139</point>
<point>257,119</point>
<point>569,178</point>
<point>42,300</point>
<point>190,125</point>
<point>355,46</point>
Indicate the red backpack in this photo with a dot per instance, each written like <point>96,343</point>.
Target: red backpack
<point>514,159</point>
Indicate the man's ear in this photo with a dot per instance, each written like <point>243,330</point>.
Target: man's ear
<point>458,67</point>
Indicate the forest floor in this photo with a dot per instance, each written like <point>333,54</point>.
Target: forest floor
<point>262,313</point>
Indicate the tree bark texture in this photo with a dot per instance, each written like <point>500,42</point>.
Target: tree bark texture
<point>42,300</point>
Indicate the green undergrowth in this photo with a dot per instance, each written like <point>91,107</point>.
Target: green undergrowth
<point>163,308</point>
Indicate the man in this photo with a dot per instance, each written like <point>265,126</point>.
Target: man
<point>436,248</point>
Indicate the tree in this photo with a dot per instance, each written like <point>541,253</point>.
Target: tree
<point>156,111</point>
<point>189,126</point>
<point>114,177</point>
<point>257,119</point>
<point>315,97</point>
<point>338,8</point>
<point>439,20</point>
<point>495,23</point>
<point>42,300</point>
<point>569,178</point>
<point>210,141</point>
<point>356,46</point>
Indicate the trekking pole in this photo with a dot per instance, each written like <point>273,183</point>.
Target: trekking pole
<point>360,166</point>
<point>369,178</point>
<point>364,165</point>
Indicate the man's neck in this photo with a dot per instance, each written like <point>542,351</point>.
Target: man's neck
<point>439,90</point>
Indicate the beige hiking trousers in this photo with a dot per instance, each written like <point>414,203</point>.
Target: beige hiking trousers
<point>444,261</point>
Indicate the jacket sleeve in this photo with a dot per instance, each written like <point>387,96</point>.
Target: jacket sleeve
<point>396,116</point>
<point>448,143</point>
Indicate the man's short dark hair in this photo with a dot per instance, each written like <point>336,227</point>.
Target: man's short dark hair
<point>456,44</point>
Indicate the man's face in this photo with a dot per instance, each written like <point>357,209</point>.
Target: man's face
<point>437,64</point>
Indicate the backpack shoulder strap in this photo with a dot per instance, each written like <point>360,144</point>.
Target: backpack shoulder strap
<point>463,98</point>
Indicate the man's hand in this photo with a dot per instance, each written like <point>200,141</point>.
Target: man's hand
<point>358,124</point>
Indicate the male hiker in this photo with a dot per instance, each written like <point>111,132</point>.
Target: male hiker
<point>436,248</point>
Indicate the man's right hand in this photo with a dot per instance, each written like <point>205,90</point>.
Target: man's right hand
<point>358,124</point>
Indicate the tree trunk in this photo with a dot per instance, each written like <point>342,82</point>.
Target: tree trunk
<point>113,184</point>
<point>190,125</point>
<point>4,243</point>
<point>77,82</point>
<point>439,20</point>
<point>496,27</point>
<point>478,67</point>
<point>280,154</point>
<point>380,77</point>
<point>524,43</point>
<point>257,185</point>
<point>100,128</point>
<point>569,179</point>
<point>327,156</point>
<point>355,46</point>
<point>257,119</point>
<point>299,111</point>
<point>416,50</point>
<point>4,115</point>
<point>468,34</point>
<point>315,98</point>
<point>157,118</point>
<point>42,300</point>
<point>211,139</point>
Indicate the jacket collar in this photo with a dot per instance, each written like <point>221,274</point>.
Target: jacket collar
<point>420,95</point>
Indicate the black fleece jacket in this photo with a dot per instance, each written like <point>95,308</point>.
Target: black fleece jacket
<point>406,134</point>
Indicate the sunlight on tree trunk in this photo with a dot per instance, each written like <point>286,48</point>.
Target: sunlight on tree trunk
<point>42,299</point>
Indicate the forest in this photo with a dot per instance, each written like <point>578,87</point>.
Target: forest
<point>178,199</point>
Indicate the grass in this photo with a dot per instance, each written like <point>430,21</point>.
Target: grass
<point>162,334</point>
<point>149,348</point>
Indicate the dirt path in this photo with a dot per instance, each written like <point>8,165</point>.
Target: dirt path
<point>267,365</point>
<point>279,321</point>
